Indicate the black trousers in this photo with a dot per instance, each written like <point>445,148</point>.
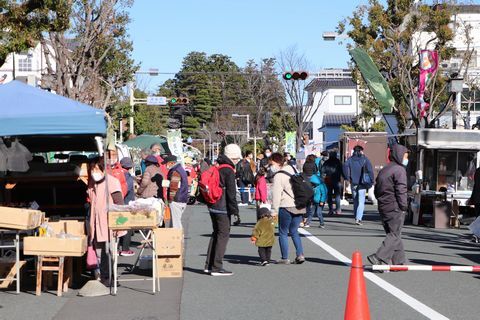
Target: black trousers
<point>125,240</point>
<point>218,241</point>
<point>265,253</point>
<point>391,250</point>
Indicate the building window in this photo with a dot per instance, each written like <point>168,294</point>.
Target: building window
<point>25,64</point>
<point>470,100</point>
<point>343,100</point>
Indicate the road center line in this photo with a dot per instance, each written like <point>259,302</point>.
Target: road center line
<point>397,293</point>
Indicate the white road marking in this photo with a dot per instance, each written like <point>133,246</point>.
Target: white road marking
<point>397,293</point>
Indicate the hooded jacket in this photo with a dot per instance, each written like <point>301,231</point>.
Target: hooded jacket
<point>228,202</point>
<point>332,169</point>
<point>391,183</point>
<point>353,170</point>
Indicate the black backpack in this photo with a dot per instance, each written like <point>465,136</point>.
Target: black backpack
<point>302,189</point>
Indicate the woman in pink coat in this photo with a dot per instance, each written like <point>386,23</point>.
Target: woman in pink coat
<point>97,193</point>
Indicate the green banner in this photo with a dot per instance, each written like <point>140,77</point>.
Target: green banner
<point>290,143</point>
<point>375,81</point>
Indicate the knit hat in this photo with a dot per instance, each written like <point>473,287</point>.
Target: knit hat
<point>233,151</point>
<point>151,159</point>
<point>126,163</point>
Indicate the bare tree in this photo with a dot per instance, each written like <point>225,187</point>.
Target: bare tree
<point>302,108</point>
<point>91,60</point>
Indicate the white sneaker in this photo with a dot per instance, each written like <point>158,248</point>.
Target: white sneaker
<point>221,273</point>
<point>243,204</point>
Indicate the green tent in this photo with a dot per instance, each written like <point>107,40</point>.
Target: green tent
<point>144,141</point>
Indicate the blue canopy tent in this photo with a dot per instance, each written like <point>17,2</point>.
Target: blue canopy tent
<point>33,114</point>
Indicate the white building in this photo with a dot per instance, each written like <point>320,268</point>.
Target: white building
<point>28,66</point>
<point>336,97</point>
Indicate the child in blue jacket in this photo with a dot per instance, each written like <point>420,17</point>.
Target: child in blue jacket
<point>319,197</point>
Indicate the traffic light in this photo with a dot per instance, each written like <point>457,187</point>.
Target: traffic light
<point>295,75</point>
<point>178,101</point>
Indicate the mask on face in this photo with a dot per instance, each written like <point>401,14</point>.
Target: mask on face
<point>97,176</point>
<point>268,154</point>
<point>405,162</point>
<point>274,169</point>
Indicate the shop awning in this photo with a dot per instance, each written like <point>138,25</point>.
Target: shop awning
<point>448,139</point>
<point>144,141</point>
<point>28,111</point>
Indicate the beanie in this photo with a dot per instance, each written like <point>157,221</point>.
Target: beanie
<point>233,151</point>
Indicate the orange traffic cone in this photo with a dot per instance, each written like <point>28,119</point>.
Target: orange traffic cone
<point>357,300</point>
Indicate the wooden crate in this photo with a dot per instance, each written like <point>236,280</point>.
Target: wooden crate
<point>55,247</point>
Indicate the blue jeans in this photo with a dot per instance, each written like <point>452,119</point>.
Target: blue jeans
<point>309,215</point>
<point>317,209</point>
<point>289,223</point>
<point>243,194</point>
<point>336,189</point>
<point>358,201</point>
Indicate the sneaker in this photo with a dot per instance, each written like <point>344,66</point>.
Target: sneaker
<point>374,260</point>
<point>358,222</point>
<point>282,261</point>
<point>237,222</point>
<point>221,273</point>
<point>127,253</point>
<point>338,212</point>
<point>322,226</point>
<point>264,263</point>
<point>306,226</point>
<point>207,271</point>
<point>243,204</point>
<point>299,260</point>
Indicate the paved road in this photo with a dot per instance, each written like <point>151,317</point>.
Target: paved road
<point>314,290</point>
<point>317,289</point>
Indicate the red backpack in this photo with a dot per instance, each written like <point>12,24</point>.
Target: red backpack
<point>209,184</point>
<point>118,172</point>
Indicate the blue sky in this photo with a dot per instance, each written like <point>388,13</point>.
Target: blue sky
<point>163,32</point>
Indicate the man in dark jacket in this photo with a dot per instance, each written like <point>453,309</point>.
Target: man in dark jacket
<point>332,174</point>
<point>475,197</point>
<point>359,172</point>
<point>391,193</point>
<point>222,210</point>
<point>245,177</point>
<point>177,190</point>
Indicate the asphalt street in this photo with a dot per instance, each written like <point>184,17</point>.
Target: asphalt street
<point>316,289</point>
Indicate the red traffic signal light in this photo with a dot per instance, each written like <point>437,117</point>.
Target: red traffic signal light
<point>295,75</point>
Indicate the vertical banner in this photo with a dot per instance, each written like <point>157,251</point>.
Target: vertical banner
<point>174,140</point>
<point>428,67</point>
<point>290,142</point>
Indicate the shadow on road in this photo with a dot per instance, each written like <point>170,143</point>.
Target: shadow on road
<point>323,261</point>
<point>193,270</point>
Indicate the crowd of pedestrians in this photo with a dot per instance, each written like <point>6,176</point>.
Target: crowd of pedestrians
<point>276,196</point>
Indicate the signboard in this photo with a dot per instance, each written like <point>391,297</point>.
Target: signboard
<point>290,142</point>
<point>174,139</point>
<point>156,101</point>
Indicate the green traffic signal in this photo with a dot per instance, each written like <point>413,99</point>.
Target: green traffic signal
<point>287,76</point>
<point>173,100</point>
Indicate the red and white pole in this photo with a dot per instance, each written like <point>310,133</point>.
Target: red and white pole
<point>422,268</point>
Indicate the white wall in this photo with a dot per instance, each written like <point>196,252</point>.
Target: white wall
<point>327,106</point>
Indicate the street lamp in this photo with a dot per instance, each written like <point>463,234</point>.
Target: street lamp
<point>456,86</point>
<point>332,36</point>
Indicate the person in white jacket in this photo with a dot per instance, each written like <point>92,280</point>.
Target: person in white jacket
<point>283,205</point>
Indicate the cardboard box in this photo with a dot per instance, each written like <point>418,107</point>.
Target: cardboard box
<point>55,247</point>
<point>20,219</point>
<point>132,220</point>
<point>169,241</point>
<point>73,227</point>
<point>170,267</point>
